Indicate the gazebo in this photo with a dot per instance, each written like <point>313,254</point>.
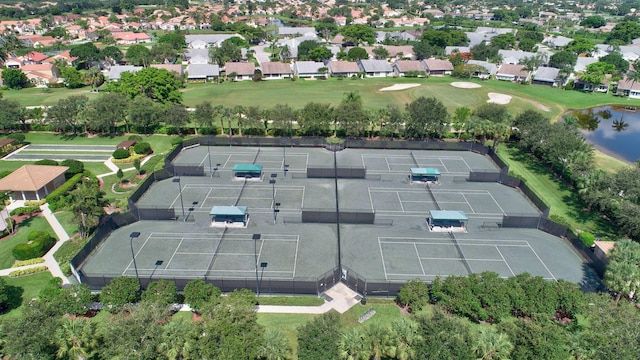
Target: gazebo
<point>33,182</point>
<point>422,175</point>
<point>447,221</point>
<point>247,171</point>
<point>229,216</point>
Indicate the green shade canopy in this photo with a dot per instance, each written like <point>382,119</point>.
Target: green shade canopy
<point>247,168</point>
<point>424,172</point>
<point>228,211</point>
<point>448,215</point>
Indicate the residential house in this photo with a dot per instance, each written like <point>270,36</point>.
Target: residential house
<point>33,182</point>
<point>174,68</point>
<point>452,49</point>
<point>547,76</point>
<point>628,87</point>
<point>401,67</point>
<point>438,67</point>
<point>41,75</point>
<point>116,71</point>
<point>485,34</point>
<point>343,68</point>
<point>209,39</point>
<point>285,31</point>
<point>603,87</point>
<point>202,72</point>
<point>375,68</point>
<point>514,56</point>
<point>37,40</point>
<point>197,56</point>
<point>512,72</point>
<point>309,69</point>
<point>583,62</point>
<point>484,70</point>
<point>242,70</point>
<point>129,38</point>
<point>557,42</point>
<point>63,56</point>
<point>275,70</point>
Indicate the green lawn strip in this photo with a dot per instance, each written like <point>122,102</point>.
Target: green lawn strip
<point>96,168</point>
<point>48,97</point>
<point>386,312</point>
<point>111,189</point>
<point>562,199</point>
<point>9,165</point>
<point>38,223</point>
<point>30,287</point>
<point>68,221</point>
<point>288,324</point>
<point>291,300</point>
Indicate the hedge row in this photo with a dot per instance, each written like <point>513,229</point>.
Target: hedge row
<point>28,210</point>
<point>39,243</point>
<point>28,271</point>
<point>56,194</point>
<point>28,262</point>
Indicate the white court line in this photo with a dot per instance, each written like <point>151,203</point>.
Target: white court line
<point>259,252</point>
<point>225,163</point>
<point>370,198</point>
<point>465,162</point>
<point>387,162</point>
<point>543,264</point>
<point>203,159</point>
<point>494,200</point>
<point>467,201</point>
<point>419,259</point>
<point>441,239</point>
<point>302,199</point>
<point>174,252</point>
<point>206,197</point>
<point>378,155</point>
<point>191,253</point>
<point>295,257</point>
<point>399,200</point>
<point>384,267</point>
<point>505,260</point>
<point>444,166</point>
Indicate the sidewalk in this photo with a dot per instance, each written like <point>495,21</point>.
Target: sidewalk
<point>114,168</point>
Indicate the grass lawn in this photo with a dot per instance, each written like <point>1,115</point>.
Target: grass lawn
<point>96,168</point>
<point>38,223</point>
<point>386,312</point>
<point>288,324</point>
<point>291,300</point>
<point>68,221</point>
<point>29,286</point>
<point>563,200</point>
<point>38,97</point>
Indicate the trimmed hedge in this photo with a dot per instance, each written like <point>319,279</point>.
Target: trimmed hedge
<point>46,162</point>
<point>75,167</point>
<point>135,137</point>
<point>29,210</point>
<point>28,262</point>
<point>587,238</point>
<point>142,148</point>
<point>121,154</point>
<point>39,243</point>
<point>28,271</point>
<point>57,194</point>
<point>35,202</point>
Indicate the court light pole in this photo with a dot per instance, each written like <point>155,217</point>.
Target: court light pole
<point>256,237</point>
<point>135,235</point>
<point>263,265</point>
<point>272,181</point>
<point>209,153</point>
<point>177,180</point>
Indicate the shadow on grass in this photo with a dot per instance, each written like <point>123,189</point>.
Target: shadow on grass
<point>14,298</point>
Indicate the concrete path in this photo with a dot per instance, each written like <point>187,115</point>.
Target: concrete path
<point>114,168</point>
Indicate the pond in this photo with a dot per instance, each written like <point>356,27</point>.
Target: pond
<point>612,130</point>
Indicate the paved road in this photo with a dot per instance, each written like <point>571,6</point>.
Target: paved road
<point>260,54</point>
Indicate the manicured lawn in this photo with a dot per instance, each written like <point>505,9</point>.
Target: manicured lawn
<point>68,221</point>
<point>6,165</point>
<point>386,312</point>
<point>38,223</point>
<point>38,97</point>
<point>30,287</point>
<point>288,324</point>
<point>562,199</point>
<point>96,168</point>
<point>291,300</point>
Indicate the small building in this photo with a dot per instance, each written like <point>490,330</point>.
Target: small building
<point>247,171</point>
<point>424,175</point>
<point>310,69</point>
<point>602,248</point>
<point>229,216</point>
<point>33,182</point>
<point>202,72</point>
<point>447,221</point>
<point>376,68</point>
<point>126,144</point>
<point>402,67</point>
<point>438,67</point>
<point>511,72</point>
<point>275,70</point>
<point>628,87</point>
<point>343,68</point>
<point>547,76</point>
<point>239,71</point>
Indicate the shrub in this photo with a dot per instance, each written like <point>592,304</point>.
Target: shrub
<point>35,202</point>
<point>142,148</point>
<point>135,138</point>
<point>120,154</point>
<point>46,162</point>
<point>75,167</point>
<point>29,210</point>
<point>19,137</point>
<point>28,262</point>
<point>176,140</point>
<point>28,271</point>
<point>56,194</point>
<point>587,238</point>
<point>40,243</point>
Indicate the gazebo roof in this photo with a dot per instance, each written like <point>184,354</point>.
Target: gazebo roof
<point>228,211</point>
<point>448,215</point>
<point>247,168</point>
<point>31,177</point>
<point>425,171</point>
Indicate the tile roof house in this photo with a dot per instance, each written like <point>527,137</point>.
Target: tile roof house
<point>512,72</point>
<point>128,37</point>
<point>438,67</point>
<point>174,68</point>
<point>547,76</point>
<point>33,182</point>
<point>116,71</point>
<point>401,67</point>
<point>309,69</point>
<point>375,68</point>
<point>243,71</point>
<point>603,87</point>
<point>41,74</point>
<point>294,31</point>
<point>343,68</point>
<point>628,87</point>
<point>583,62</point>
<point>490,69</point>
<point>202,72</point>
<point>275,70</point>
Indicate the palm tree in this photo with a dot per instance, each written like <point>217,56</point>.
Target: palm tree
<point>351,345</point>
<point>219,111</point>
<point>94,77</point>
<point>405,336</point>
<point>622,277</point>
<point>178,339</point>
<point>285,52</point>
<point>238,111</point>
<point>274,346</point>
<point>378,338</point>
<point>76,338</point>
<point>492,345</point>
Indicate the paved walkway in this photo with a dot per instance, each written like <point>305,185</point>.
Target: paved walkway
<point>114,168</point>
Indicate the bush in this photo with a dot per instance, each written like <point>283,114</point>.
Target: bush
<point>135,138</point>
<point>19,137</point>
<point>28,262</point>
<point>75,167</point>
<point>39,243</point>
<point>587,238</point>
<point>28,271</point>
<point>121,154</point>
<point>142,148</point>
<point>35,202</point>
<point>29,210</point>
<point>176,140</point>
<point>56,194</point>
<point>46,162</point>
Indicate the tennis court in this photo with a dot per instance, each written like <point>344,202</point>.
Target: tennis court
<point>454,165</point>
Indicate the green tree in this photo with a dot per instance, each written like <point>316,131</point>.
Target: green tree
<point>73,79</point>
<point>562,58</point>
<point>594,21</point>
<point>203,115</point>
<point>30,336</point>
<point>623,271</point>
<point>504,41</point>
<point>197,294</point>
<point>427,118</point>
<point>624,32</point>
<point>112,53</point>
<point>358,33</point>
<point>11,113</point>
<point>305,48</point>
<point>540,339</point>
<point>77,339</point>
<point>158,84</point>
<point>316,119</point>
<point>357,53</point>
<point>14,79</point>
<point>317,338</point>
<point>120,291</point>
<point>176,116</point>
<point>445,336</point>
<point>88,206</point>
<point>405,336</point>
<point>381,53</point>
<point>162,54</point>
<point>144,113</point>
<point>138,55</point>
<point>616,59</point>
<point>320,53</point>
<point>274,346</point>
<point>352,345</point>
<point>580,46</point>
<point>227,51</point>
<point>161,293</point>
<point>413,295</point>
<point>65,114</point>
<point>94,77</point>
<point>490,344</point>
<point>102,114</point>
<point>87,53</point>
<point>176,39</point>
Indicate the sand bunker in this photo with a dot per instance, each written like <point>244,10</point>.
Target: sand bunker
<point>465,85</point>
<point>397,87</point>
<point>497,98</point>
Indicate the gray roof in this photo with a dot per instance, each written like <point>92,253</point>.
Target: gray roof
<point>582,63</point>
<point>546,74</point>
<point>490,67</point>
<point>514,56</point>
<point>210,38</point>
<point>116,71</point>
<point>202,71</point>
<point>375,66</point>
<point>558,41</point>
<point>462,49</point>
<point>307,67</point>
<point>304,31</point>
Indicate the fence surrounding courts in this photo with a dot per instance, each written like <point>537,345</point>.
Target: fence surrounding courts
<point>330,216</point>
<point>329,172</point>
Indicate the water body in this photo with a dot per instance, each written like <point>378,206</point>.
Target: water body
<point>613,130</point>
